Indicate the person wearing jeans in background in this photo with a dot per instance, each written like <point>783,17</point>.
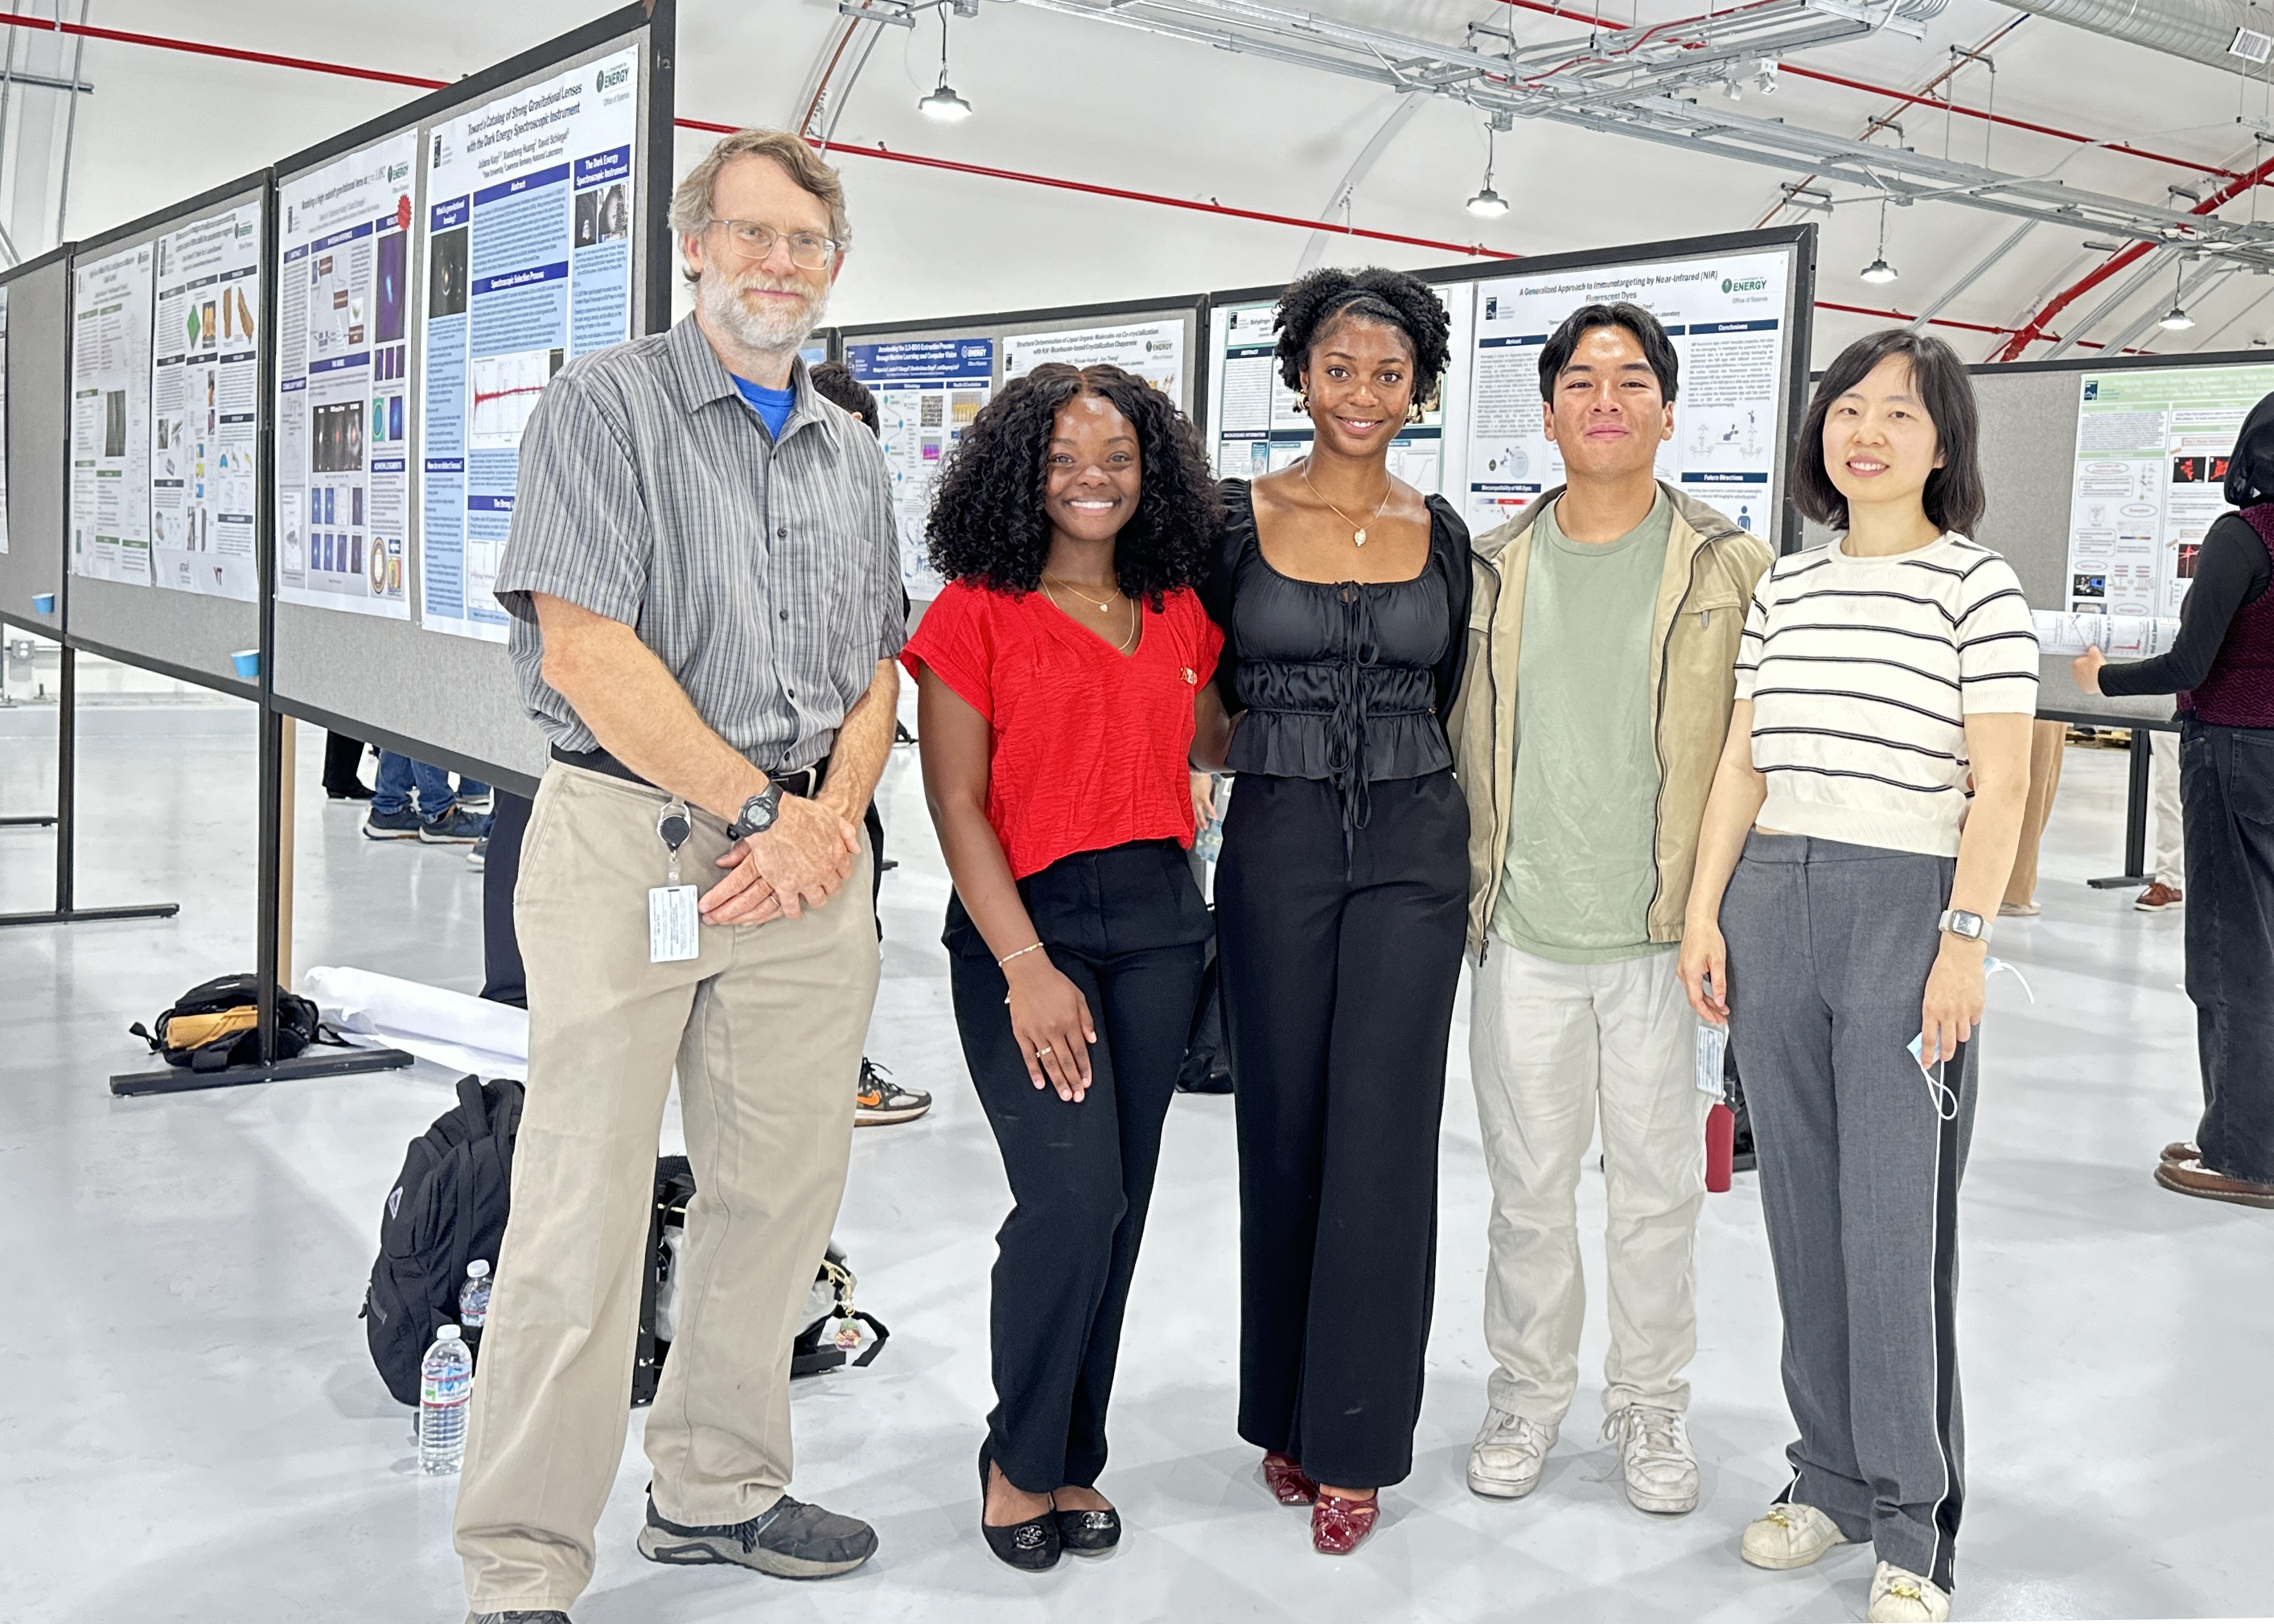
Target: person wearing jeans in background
<point>1861,825</point>
<point>716,731</point>
<point>1587,730</point>
<point>442,815</point>
<point>2221,667</point>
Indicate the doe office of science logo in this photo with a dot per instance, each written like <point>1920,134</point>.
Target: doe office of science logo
<point>607,77</point>
<point>1749,284</point>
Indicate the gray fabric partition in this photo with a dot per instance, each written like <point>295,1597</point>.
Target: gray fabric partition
<point>38,419</point>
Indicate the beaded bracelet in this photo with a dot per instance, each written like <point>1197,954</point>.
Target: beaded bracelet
<point>1021,953</point>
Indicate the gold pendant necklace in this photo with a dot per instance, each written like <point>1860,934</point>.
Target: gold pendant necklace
<point>1136,621</point>
<point>1358,530</point>
<point>1092,603</point>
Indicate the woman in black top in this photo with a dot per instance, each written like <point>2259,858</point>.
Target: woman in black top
<point>1340,897</point>
<point>2222,668</point>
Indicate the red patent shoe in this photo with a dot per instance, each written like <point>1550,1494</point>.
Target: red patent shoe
<point>1337,1524</point>
<point>1289,1483</point>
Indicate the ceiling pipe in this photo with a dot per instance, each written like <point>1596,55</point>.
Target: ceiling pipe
<point>2199,30</point>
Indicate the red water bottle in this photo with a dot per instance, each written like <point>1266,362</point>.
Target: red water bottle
<point>1720,1146</point>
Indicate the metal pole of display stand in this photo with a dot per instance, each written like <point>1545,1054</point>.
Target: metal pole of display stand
<point>2136,820</point>
<point>277,807</point>
<point>66,911</point>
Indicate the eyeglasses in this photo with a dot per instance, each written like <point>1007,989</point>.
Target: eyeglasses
<point>808,250</point>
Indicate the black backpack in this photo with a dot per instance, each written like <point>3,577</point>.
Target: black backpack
<point>447,1208</point>
<point>212,1025</point>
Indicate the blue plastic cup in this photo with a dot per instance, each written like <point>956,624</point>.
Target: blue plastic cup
<point>43,603</point>
<point>247,662</point>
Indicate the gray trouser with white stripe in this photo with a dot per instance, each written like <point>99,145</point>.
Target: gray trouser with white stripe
<point>1829,947</point>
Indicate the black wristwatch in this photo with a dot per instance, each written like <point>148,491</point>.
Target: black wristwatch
<point>758,813</point>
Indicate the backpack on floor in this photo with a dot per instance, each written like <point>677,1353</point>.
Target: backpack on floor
<point>829,1306</point>
<point>447,1208</point>
<point>217,1024</point>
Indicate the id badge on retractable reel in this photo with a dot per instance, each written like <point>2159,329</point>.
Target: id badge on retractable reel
<point>675,929</point>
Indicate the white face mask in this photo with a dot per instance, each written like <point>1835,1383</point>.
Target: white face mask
<point>718,296</point>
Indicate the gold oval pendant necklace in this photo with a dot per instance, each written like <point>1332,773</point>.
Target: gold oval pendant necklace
<point>1358,530</point>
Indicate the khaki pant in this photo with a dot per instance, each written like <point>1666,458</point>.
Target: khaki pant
<point>1552,1048</point>
<point>765,1028</point>
<point>2047,740</point>
<point>2168,858</point>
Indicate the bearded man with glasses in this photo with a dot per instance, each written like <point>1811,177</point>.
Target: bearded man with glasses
<point>704,583</point>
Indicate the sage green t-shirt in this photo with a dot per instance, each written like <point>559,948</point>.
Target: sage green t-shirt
<point>1581,864</point>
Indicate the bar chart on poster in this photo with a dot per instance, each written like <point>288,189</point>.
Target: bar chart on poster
<point>205,413</point>
<point>110,415</point>
<point>2148,480</point>
<point>342,386</point>
<point>529,264</point>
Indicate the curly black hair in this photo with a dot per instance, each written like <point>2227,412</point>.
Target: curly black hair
<point>988,526</point>
<point>1392,297</point>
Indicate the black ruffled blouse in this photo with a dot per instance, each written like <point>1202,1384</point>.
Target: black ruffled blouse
<point>1345,683</point>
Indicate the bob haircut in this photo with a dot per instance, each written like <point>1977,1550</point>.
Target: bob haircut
<point>1657,348</point>
<point>988,526</point>
<point>1954,498</point>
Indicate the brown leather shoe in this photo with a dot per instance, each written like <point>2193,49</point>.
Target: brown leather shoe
<point>2180,1150</point>
<point>2194,1179</point>
<point>2158,897</point>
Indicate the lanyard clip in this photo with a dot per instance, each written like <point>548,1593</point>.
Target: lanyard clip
<point>672,825</point>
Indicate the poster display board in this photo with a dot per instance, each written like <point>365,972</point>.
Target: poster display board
<point>35,451</point>
<point>205,405</point>
<point>928,391</point>
<point>527,260</point>
<point>3,419</point>
<point>1153,351</point>
<point>1255,427</point>
<point>2151,449</point>
<point>110,415</point>
<point>1727,314</point>
<point>344,294</point>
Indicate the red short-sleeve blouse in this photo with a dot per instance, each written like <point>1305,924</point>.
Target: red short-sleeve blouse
<point>1090,745</point>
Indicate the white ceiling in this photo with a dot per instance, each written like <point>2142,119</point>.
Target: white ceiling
<point>1070,99</point>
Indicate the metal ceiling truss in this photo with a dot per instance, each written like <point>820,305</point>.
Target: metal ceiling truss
<point>1649,83</point>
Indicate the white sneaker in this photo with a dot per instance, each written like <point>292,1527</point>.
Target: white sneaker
<point>1789,1535</point>
<point>1653,1447</point>
<point>1504,1462</point>
<point>1900,1596</point>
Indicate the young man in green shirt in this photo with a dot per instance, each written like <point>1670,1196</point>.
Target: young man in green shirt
<point>1588,729</point>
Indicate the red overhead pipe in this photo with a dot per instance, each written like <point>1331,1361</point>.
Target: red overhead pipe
<point>230,53</point>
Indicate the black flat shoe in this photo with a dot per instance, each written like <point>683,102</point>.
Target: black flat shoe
<point>1090,1533</point>
<point>1031,1546</point>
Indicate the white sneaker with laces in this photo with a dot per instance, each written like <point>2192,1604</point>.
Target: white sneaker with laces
<point>1900,1596</point>
<point>1653,1447</point>
<point>1504,1462</point>
<point>1789,1535</point>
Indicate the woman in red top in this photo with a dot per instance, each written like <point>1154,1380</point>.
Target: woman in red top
<point>1058,677</point>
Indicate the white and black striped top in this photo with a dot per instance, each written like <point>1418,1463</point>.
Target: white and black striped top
<point>1863,671</point>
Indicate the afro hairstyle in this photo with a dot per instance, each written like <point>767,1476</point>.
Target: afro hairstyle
<point>1315,303</point>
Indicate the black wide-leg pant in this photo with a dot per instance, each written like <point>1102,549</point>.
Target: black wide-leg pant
<point>1127,927</point>
<point>1339,967</point>
<point>2226,799</point>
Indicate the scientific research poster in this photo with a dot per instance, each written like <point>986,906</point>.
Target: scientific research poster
<point>1726,317</point>
<point>1258,427</point>
<point>110,417</point>
<point>2151,452</point>
<point>343,382</point>
<point>529,208</point>
<point>205,397</point>
<point>3,420</point>
<point>928,391</point>
<point>1153,351</point>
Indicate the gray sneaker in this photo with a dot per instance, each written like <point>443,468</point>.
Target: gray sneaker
<point>548,1616</point>
<point>456,827</point>
<point>790,1540</point>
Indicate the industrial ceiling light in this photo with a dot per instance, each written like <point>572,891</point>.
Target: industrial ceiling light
<point>1487,204</point>
<point>1879,270</point>
<point>1765,78</point>
<point>2176,319</point>
<point>943,104</point>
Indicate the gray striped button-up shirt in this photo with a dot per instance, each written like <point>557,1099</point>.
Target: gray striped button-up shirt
<point>764,573</point>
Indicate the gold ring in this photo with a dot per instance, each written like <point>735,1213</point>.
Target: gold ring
<point>1043,1052</point>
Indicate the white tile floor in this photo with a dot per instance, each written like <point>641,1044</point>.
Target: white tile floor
<point>190,1428</point>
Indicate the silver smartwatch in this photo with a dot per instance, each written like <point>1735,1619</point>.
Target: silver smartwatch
<point>1972,926</point>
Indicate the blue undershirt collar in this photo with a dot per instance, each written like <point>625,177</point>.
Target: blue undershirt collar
<point>773,406</point>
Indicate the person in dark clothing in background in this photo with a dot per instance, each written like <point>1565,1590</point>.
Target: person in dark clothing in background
<point>835,379</point>
<point>2222,668</point>
<point>343,768</point>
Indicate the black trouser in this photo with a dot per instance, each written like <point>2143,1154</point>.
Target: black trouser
<point>342,764</point>
<point>503,979</point>
<point>2226,802</point>
<point>1338,985</point>
<point>1127,927</point>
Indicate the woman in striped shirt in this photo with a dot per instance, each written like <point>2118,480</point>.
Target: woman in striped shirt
<point>1857,839</point>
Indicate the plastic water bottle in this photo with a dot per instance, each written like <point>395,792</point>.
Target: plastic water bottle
<point>446,1381</point>
<point>474,1296</point>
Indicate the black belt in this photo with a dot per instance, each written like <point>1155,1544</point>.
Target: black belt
<point>803,781</point>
